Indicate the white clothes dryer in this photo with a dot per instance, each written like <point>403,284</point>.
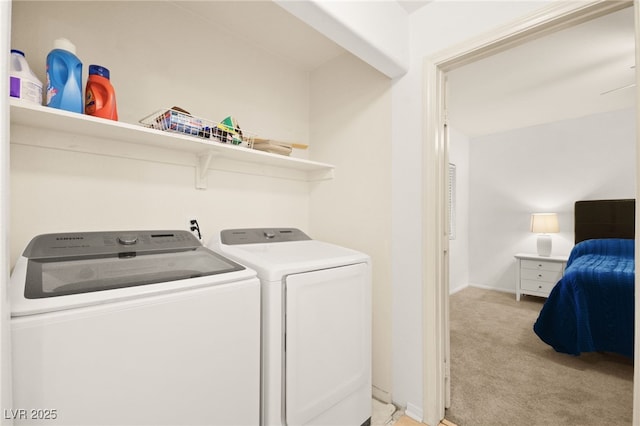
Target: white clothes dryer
<point>316,326</point>
<point>133,328</point>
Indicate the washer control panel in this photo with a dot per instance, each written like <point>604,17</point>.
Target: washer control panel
<point>127,239</point>
<point>80,244</point>
<point>261,235</point>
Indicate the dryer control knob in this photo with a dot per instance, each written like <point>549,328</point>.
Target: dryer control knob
<point>127,240</point>
<point>269,234</point>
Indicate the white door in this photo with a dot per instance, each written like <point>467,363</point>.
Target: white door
<point>328,340</point>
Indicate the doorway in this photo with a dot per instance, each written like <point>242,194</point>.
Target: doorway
<point>435,166</point>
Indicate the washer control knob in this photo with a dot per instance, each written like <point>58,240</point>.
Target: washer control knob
<point>269,234</point>
<point>127,240</point>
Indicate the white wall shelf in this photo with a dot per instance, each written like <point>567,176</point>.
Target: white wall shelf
<point>36,125</point>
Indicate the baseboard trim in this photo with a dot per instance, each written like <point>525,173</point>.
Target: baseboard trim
<point>414,412</point>
<point>454,291</point>
<point>381,395</point>
<point>486,287</point>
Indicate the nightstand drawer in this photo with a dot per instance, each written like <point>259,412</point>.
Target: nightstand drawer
<point>537,275</point>
<point>539,286</point>
<point>541,265</point>
<point>541,275</point>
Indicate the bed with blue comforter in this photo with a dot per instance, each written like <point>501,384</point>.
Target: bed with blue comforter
<point>591,308</point>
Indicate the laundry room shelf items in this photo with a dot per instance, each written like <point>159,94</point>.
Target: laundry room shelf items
<point>179,121</point>
<point>36,125</point>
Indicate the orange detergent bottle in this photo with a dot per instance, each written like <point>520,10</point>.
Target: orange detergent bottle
<point>100,98</point>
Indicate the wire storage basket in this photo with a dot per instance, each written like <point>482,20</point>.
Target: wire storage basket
<point>177,120</point>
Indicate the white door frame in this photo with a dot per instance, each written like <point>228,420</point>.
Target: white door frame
<point>636,349</point>
<point>5,337</point>
<point>435,292</point>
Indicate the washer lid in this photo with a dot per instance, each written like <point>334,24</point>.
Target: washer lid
<point>64,276</point>
<point>96,244</point>
<point>65,264</point>
<point>273,261</point>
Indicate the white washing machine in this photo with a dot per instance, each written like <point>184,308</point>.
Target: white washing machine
<point>316,326</point>
<point>133,328</point>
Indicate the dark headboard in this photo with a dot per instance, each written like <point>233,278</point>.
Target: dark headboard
<point>605,219</point>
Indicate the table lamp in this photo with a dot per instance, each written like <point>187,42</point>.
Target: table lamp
<point>544,224</point>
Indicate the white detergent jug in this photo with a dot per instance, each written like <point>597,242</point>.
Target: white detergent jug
<point>23,83</point>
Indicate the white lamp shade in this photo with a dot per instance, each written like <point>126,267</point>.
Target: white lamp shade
<point>544,223</point>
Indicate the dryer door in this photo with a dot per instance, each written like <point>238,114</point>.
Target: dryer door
<point>328,342</point>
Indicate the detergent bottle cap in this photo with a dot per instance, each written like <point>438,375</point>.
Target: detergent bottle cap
<point>99,70</point>
<point>64,44</point>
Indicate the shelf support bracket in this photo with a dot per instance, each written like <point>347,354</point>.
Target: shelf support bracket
<point>202,169</point>
<point>320,175</point>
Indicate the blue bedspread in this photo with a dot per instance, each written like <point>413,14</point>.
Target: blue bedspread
<point>591,308</point>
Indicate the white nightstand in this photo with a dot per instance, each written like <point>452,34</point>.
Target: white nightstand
<point>536,275</point>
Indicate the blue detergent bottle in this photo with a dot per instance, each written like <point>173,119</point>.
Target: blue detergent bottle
<point>64,77</point>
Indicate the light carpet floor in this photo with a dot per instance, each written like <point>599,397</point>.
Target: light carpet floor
<point>503,374</point>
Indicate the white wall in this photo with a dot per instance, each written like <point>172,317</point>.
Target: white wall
<point>59,191</point>
<point>434,27</point>
<point>350,128</point>
<point>56,191</point>
<point>459,247</point>
<point>544,168</point>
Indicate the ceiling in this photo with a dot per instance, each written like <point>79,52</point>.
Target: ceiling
<point>266,25</point>
<point>269,27</point>
<point>557,77</point>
